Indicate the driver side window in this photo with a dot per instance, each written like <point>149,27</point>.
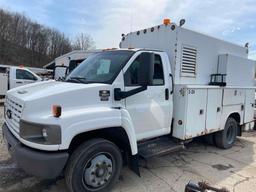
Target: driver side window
<point>131,76</point>
<point>25,75</point>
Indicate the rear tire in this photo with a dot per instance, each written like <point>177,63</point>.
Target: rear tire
<point>226,138</point>
<point>94,166</point>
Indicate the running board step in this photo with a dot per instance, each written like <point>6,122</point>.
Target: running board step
<point>158,147</point>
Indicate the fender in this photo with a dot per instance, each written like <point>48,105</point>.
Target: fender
<point>127,124</point>
<point>76,122</point>
<point>229,110</point>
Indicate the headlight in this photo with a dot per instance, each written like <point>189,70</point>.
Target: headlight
<point>40,133</point>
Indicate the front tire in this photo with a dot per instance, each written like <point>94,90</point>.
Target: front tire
<point>226,138</point>
<point>94,166</point>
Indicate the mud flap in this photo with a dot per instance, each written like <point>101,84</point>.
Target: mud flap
<point>239,130</point>
<point>134,164</point>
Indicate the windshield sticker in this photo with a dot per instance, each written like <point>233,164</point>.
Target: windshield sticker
<point>104,67</point>
<point>104,95</point>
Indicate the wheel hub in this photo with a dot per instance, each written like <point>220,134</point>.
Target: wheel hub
<point>98,171</point>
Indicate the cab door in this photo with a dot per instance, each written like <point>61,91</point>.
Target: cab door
<point>150,110</point>
<point>23,77</point>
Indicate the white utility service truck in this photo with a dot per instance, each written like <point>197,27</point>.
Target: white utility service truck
<point>122,104</point>
<point>13,76</point>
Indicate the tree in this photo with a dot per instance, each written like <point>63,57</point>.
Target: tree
<point>83,41</point>
<point>23,41</point>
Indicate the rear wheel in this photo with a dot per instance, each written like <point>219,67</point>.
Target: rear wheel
<point>94,166</point>
<point>226,138</point>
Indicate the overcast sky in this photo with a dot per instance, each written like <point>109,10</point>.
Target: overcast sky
<point>106,20</point>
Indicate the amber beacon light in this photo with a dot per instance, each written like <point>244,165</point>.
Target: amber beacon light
<point>56,110</point>
<point>166,21</point>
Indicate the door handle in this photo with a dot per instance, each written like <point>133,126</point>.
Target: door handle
<point>19,82</point>
<point>166,94</point>
<point>172,83</point>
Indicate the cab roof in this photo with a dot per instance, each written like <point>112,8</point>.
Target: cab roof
<point>131,49</point>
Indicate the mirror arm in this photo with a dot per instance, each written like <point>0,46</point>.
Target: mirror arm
<point>118,94</point>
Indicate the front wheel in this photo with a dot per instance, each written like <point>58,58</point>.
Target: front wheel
<point>226,138</point>
<point>94,166</point>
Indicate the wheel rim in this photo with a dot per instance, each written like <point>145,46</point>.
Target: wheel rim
<point>98,171</point>
<point>230,134</point>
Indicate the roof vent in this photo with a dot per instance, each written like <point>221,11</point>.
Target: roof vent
<point>188,62</point>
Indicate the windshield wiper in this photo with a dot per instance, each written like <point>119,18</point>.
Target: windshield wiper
<point>77,79</point>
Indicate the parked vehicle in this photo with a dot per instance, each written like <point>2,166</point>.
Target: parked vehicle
<point>119,105</point>
<point>45,74</point>
<point>12,76</point>
<point>66,63</point>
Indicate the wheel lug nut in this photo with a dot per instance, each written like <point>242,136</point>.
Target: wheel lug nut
<point>93,181</point>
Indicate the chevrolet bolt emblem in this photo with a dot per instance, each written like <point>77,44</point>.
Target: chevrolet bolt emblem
<point>9,114</point>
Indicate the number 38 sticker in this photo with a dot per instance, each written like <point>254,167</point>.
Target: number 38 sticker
<point>191,91</point>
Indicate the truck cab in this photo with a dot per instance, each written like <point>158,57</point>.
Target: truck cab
<point>12,76</point>
<point>109,95</point>
<point>120,105</point>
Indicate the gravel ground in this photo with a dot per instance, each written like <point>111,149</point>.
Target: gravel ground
<point>234,169</point>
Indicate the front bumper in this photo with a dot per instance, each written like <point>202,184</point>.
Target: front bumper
<point>47,165</point>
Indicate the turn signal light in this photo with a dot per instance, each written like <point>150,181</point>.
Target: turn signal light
<point>56,110</point>
<point>167,21</point>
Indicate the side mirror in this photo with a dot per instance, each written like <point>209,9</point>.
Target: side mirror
<point>146,69</point>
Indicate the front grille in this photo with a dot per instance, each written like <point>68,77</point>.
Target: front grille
<point>16,110</point>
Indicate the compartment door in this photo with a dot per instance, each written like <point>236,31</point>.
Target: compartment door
<point>196,112</point>
<point>249,105</point>
<point>214,110</point>
<point>233,96</point>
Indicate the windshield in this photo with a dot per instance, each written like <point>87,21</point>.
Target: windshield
<point>100,68</point>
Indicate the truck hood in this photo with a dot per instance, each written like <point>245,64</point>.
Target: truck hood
<point>45,94</point>
<point>50,88</point>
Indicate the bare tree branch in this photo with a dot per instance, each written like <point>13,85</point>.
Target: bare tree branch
<point>83,41</point>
